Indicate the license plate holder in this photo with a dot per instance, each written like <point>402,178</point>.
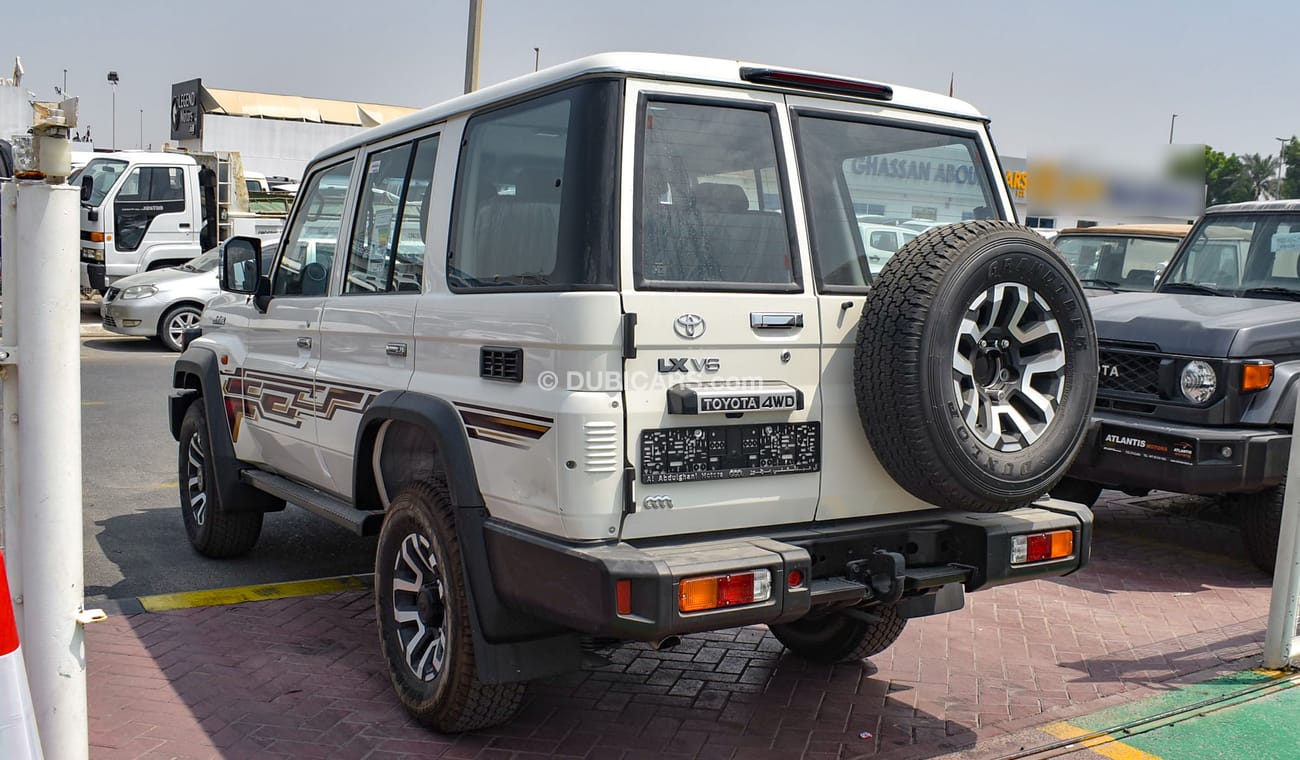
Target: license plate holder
<point>1143,444</point>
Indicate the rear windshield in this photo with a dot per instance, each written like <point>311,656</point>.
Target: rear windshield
<point>710,208</point>
<point>867,182</point>
<point>1121,262</point>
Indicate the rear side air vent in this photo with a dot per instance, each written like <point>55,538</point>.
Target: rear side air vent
<point>604,447</point>
<point>501,363</point>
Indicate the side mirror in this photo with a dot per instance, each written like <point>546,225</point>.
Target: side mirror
<point>241,265</point>
<point>87,189</point>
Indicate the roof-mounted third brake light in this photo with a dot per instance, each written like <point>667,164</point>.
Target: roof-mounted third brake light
<point>817,82</point>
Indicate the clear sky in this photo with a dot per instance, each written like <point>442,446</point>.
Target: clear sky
<point>1052,75</point>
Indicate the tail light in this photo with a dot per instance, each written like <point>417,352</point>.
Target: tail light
<point>711,592</point>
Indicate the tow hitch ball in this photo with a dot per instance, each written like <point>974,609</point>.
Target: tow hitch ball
<point>881,573</point>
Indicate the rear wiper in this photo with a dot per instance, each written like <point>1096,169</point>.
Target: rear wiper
<point>1107,284</point>
<point>1272,290</point>
<point>1194,287</point>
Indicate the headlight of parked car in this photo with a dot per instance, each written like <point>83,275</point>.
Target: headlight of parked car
<point>137,291</point>
<point>1197,382</point>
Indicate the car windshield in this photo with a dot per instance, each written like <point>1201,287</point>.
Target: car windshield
<point>204,263</point>
<point>104,172</point>
<point>1241,255</point>
<point>1116,261</point>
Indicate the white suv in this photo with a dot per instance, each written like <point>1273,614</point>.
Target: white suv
<point>600,355</point>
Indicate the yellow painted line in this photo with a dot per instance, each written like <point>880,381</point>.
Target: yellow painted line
<point>1105,744</point>
<point>238,594</point>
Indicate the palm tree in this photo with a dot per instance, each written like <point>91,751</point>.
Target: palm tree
<point>1259,173</point>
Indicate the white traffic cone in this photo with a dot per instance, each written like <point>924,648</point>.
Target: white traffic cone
<point>18,739</point>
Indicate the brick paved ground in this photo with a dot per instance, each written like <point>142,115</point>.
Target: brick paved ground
<point>1166,596</point>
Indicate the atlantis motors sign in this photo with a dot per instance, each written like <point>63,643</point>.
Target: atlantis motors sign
<point>187,110</point>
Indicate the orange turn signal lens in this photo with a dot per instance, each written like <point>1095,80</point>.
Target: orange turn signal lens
<point>96,237</point>
<point>1256,375</point>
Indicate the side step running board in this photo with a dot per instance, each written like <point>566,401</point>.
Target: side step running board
<point>359,521</point>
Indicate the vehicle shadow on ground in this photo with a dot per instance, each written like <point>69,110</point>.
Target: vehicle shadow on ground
<point>276,678</point>
<point>126,345</point>
<point>153,556</point>
<point>1157,665</point>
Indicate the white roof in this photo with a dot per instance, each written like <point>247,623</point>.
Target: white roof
<point>151,157</point>
<point>651,65</point>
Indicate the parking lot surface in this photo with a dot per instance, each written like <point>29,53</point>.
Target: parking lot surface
<point>1166,600</point>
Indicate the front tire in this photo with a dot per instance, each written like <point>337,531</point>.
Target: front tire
<point>175,322</point>
<point>212,531</point>
<point>423,614</point>
<point>840,638</point>
<point>1260,518</point>
<point>976,366</point>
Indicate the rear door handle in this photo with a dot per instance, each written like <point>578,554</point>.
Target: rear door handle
<point>396,349</point>
<point>775,320</point>
<point>304,343</point>
<point>185,225</point>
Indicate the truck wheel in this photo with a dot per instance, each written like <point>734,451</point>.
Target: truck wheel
<point>212,531</point>
<point>1077,491</point>
<point>1260,517</point>
<point>976,366</point>
<point>839,638</point>
<point>423,612</point>
<point>174,323</point>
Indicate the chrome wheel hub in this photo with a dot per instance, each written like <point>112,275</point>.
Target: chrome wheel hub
<point>419,607</point>
<point>179,323</point>
<point>1008,367</point>
<point>194,486</point>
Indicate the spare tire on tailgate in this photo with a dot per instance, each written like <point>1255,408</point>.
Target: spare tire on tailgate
<point>976,366</point>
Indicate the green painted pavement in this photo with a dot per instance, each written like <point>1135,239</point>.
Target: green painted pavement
<point>1267,728</point>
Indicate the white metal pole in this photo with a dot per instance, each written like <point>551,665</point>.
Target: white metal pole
<point>49,431</point>
<point>9,398</point>
<point>1279,641</point>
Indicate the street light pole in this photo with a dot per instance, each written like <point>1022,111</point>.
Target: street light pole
<point>1171,128</point>
<point>537,58</point>
<point>471,45</point>
<point>1281,162</point>
<point>113,79</point>
<point>140,144</point>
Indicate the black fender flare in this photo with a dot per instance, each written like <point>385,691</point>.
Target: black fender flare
<point>196,379</point>
<point>509,645</point>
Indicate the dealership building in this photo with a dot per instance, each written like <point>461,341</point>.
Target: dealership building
<point>274,134</point>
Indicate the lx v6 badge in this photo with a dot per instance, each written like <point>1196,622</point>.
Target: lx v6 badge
<point>686,364</point>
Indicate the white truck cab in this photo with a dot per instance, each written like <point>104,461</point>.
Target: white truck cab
<point>146,210</point>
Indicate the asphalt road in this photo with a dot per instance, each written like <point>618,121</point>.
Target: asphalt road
<point>135,541</point>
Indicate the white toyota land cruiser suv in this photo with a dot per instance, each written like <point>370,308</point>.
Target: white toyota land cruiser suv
<point>599,355</point>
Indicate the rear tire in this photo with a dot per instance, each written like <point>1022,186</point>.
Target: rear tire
<point>1078,491</point>
<point>423,614</point>
<point>976,366</point>
<point>839,638</point>
<point>213,532</point>
<point>1260,518</point>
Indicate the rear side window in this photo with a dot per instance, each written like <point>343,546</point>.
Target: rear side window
<point>865,177</point>
<point>709,200</point>
<point>535,191</point>
<point>387,248</point>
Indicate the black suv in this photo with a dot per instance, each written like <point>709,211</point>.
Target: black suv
<point>1196,391</point>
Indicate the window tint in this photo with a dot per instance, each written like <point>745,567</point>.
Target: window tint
<point>709,200</point>
<point>153,183</point>
<point>387,249</point>
<point>534,194</point>
<point>308,246</point>
<point>892,175</point>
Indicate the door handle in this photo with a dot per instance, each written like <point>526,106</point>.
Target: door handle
<point>304,343</point>
<point>775,320</point>
<point>395,349</point>
<point>184,225</point>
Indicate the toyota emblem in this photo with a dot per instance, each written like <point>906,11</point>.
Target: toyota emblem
<point>689,326</point>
